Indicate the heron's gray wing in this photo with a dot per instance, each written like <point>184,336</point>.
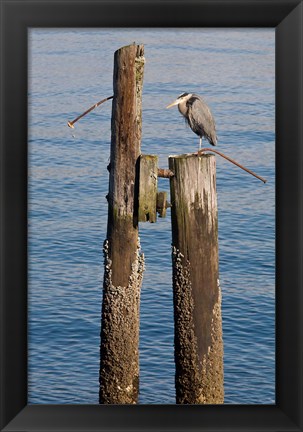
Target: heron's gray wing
<point>201,119</point>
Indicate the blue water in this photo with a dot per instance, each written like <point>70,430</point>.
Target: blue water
<point>69,70</point>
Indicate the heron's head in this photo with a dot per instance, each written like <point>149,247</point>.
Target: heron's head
<point>183,97</point>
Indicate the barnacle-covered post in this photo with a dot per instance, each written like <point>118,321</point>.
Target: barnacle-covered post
<point>197,296</point>
<point>124,264</point>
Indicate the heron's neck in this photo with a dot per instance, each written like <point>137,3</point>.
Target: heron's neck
<point>183,108</point>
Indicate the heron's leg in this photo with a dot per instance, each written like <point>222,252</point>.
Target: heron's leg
<point>200,143</point>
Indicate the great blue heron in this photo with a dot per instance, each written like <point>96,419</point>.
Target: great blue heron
<point>197,115</point>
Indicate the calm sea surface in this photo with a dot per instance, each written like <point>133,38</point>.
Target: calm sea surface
<point>71,69</point>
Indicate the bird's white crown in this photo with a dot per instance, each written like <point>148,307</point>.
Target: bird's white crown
<point>184,96</point>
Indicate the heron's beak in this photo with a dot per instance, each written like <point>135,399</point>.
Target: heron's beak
<point>176,102</point>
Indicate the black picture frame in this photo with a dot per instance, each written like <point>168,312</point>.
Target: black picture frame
<point>16,17</point>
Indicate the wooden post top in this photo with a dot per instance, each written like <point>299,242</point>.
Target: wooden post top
<point>191,155</point>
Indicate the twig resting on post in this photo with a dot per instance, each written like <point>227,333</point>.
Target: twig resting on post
<point>203,150</point>
<point>71,123</point>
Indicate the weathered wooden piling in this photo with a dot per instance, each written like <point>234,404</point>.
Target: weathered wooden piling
<point>148,182</point>
<point>124,265</point>
<point>196,290</point>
